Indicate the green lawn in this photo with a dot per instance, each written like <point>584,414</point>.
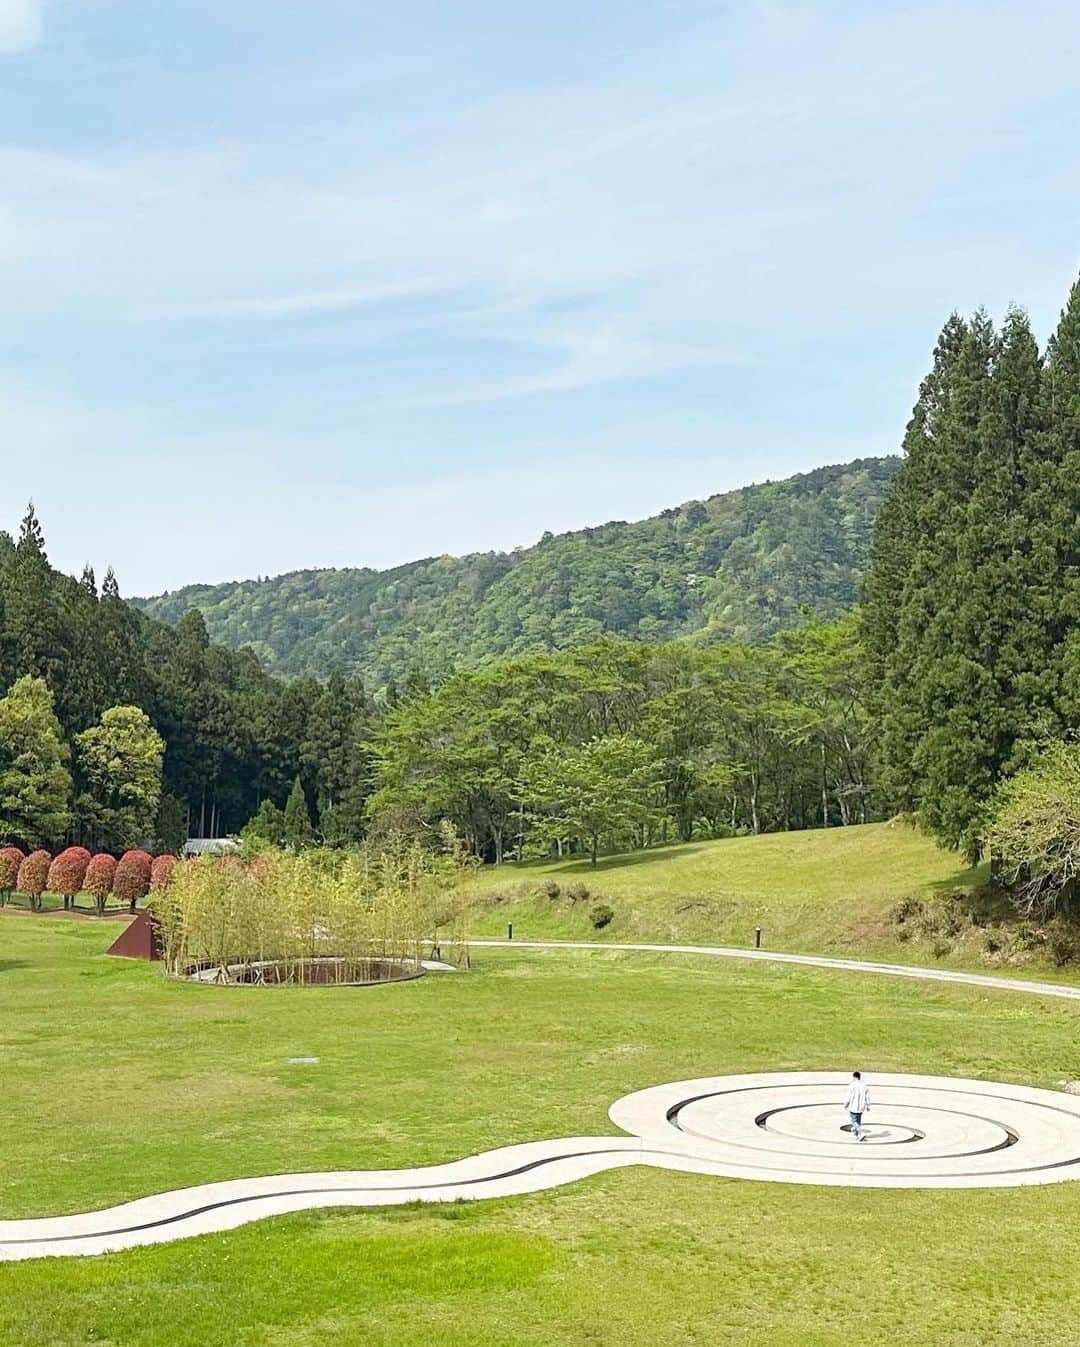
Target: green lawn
<point>118,1083</point>
<point>828,891</point>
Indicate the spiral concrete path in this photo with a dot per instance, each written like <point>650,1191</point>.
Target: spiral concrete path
<point>922,1132</point>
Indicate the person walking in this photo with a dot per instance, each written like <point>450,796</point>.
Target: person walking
<point>857,1103</point>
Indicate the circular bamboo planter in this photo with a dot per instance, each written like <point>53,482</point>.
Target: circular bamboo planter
<point>323,971</point>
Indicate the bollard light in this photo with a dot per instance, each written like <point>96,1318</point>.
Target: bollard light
<point>757,937</point>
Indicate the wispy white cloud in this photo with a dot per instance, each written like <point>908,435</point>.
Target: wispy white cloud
<point>584,357</point>
<point>22,24</point>
<point>297,305</point>
<point>325,260</point>
<point>804,149</point>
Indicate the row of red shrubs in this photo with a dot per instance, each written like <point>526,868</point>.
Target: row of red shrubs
<point>75,870</point>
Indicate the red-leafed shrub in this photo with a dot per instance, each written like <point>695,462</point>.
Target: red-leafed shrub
<point>161,872</point>
<point>10,860</point>
<point>34,876</point>
<point>132,878</point>
<point>67,872</point>
<point>99,877</point>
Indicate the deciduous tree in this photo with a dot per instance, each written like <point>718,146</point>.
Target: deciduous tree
<point>132,878</point>
<point>120,764</point>
<point>67,873</point>
<point>594,791</point>
<point>98,880</point>
<point>35,786</point>
<point>1034,831</point>
<point>161,872</point>
<point>34,877</point>
<point>10,860</point>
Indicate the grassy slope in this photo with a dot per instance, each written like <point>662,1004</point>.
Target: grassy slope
<point>117,1083</point>
<point>827,891</point>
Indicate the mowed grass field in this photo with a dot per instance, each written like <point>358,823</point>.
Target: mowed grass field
<point>830,891</point>
<point>117,1083</point>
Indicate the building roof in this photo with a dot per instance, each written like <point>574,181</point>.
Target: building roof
<point>209,846</point>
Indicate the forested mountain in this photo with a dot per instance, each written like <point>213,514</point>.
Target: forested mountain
<point>740,566</point>
<point>117,729</point>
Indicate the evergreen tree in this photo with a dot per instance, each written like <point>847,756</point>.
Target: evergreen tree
<point>955,701</point>
<point>336,758</point>
<point>1010,595</point>
<point>888,589</point>
<point>35,786</point>
<point>297,829</point>
<point>944,600</point>
<point>973,597</point>
<point>1053,513</point>
<point>120,655</point>
<point>233,732</point>
<point>171,827</point>
<point>31,536</point>
<point>39,615</point>
<point>267,827</point>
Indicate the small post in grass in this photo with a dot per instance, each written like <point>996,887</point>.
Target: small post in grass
<point>757,937</point>
<point>509,930</point>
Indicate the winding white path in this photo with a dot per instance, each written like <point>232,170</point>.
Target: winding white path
<point>896,970</point>
<point>922,1132</point>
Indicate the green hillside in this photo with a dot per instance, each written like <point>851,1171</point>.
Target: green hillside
<point>740,565</point>
<point>834,891</point>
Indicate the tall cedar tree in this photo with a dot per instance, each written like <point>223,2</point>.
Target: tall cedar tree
<point>951,692</point>
<point>954,697</point>
<point>887,592</point>
<point>971,606</point>
<point>1058,529</point>
<point>297,823</point>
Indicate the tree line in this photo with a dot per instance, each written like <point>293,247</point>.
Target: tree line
<point>621,744</point>
<point>971,605</point>
<point>75,870</point>
<point>117,730</point>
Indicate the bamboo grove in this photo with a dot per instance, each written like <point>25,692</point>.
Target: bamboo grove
<point>316,915</point>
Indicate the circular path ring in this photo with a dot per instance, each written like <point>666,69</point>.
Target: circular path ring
<point>922,1131</point>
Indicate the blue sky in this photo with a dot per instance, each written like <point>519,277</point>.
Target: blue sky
<point>335,283</point>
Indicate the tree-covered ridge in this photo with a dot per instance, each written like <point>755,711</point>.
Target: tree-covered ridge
<point>741,565</point>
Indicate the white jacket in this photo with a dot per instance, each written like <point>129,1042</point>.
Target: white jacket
<point>858,1097</point>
